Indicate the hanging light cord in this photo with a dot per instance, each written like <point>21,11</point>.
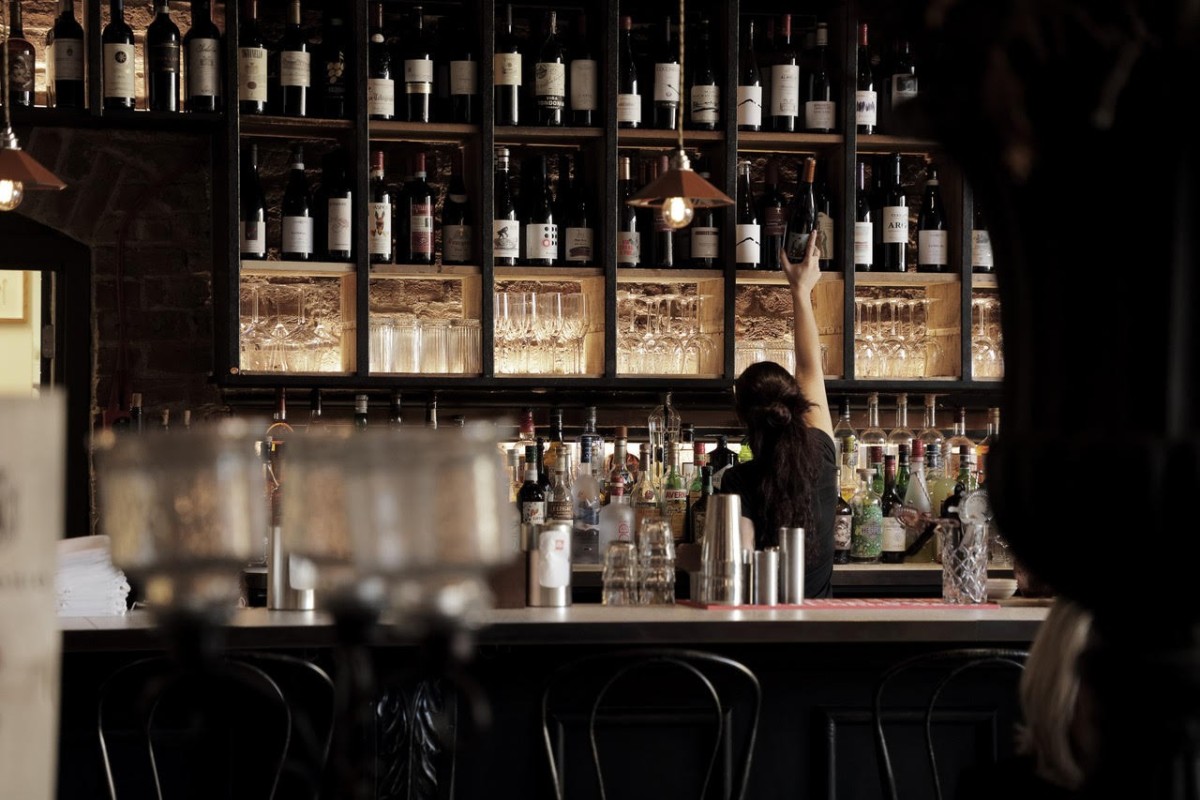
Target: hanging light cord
<point>4,78</point>
<point>682,73</point>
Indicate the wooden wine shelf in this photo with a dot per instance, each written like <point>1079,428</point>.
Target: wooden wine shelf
<point>531,134</point>
<point>904,278</point>
<point>634,137</point>
<point>756,277</point>
<point>984,280</point>
<point>772,141</point>
<point>629,275</point>
<point>331,269</point>
<point>547,273</point>
<point>381,131</point>
<point>181,122</point>
<point>296,127</point>
<point>424,270</point>
<point>880,143</point>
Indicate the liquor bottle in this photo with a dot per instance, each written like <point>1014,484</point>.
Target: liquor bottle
<point>699,461</point>
<point>202,51</point>
<point>22,60</point>
<point>65,60</point>
<point>773,211</point>
<point>531,499</point>
<point>705,92</point>
<point>894,221</point>
<point>585,533</point>
<point>892,533</point>
<point>826,227</point>
<point>381,81</point>
<point>338,195</point>
<point>463,75</point>
<point>417,206</point>
<point>645,500</point>
<point>591,438</point>
<point>903,84</point>
<point>900,434</point>
<point>956,442</point>
<point>918,506</point>
<point>541,224</point>
<point>750,84</point>
<point>687,452</point>
<point>963,483</point>
<point>629,97</point>
<point>804,213</point>
<point>550,76</point>
<point>431,411</point>
<point>578,236</point>
<point>866,533</point>
<point>418,69</point>
<point>333,72</point>
<point>560,505</point>
<point>252,62</point>
<point>667,80</point>
<point>315,408</point>
<point>136,418</point>
<point>253,207</point>
<point>379,205</point>
<point>985,445</point>
<point>458,237</point>
<point>543,473</point>
<point>295,66</point>
<point>629,239</point>
<point>164,420</point>
<point>866,97</point>
<point>940,484</point>
<point>617,517</point>
<point>506,228</point>
<point>864,235</point>
<point>705,233</point>
<point>118,73</point>
<point>675,492</point>
<point>876,460</point>
<point>554,457</point>
<point>721,456</point>
<point>846,439</point>
<point>662,237</point>
<point>748,235</point>
<point>872,435</point>
<point>664,426</point>
<point>698,507</point>
<point>933,240</point>
<point>981,240</point>
<point>903,475</point>
<point>506,72</point>
<point>618,464</point>
<point>297,213</point>
<point>360,412</point>
<point>820,101</point>
<point>583,94</point>
<point>785,79</point>
<point>843,523</point>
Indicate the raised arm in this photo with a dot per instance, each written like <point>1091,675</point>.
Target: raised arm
<point>802,277</point>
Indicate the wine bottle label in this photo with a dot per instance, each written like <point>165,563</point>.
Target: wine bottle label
<point>785,90</point>
<point>420,227</point>
<point>819,115</point>
<point>706,104</point>
<point>749,105</point>
<point>298,235</point>
<point>379,234</point>
<point>295,68</point>
<point>933,247</point>
<point>464,77</point>
<point>418,75</point>
<point>560,509</point>
<point>381,97</point>
<point>825,243</point>
<point>541,240</point>
<point>554,555</point>
<point>65,58</point>
<point>706,242</point>
<point>579,245</point>
<point>866,533</point>
<point>252,67</point>
<point>164,59</point>
<point>506,68</point>
<point>119,78</point>
<point>533,512</point>
<point>339,229</point>
<point>629,248</point>
<point>550,84</point>
<point>666,83</point>
<point>506,238</point>
<point>774,221</point>
<point>865,107</point>
<point>904,88</point>
<point>204,58</point>
<point>895,225</point>
<point>254,238</point>
<point>893,538</point>
<point>748,244</point>
<point>456,243</point>
<point>629,108</point>
<point>22,67</point>
<point>583,85</point>
<point>981,249</point>
<point>797,244</point>
<point>864,243</point>
<point>842,526</point>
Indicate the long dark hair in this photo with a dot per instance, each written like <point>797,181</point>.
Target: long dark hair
<point>771,406</point>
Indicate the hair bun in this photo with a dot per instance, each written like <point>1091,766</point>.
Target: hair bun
<point>779,414</point>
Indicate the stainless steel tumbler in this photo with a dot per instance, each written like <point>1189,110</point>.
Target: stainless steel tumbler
<point>791,565</point>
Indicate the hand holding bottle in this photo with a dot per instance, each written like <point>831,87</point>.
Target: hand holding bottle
<point>803,276</point>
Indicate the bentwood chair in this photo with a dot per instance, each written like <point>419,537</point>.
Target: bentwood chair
<point>924,683</point>
<point>655,723</point>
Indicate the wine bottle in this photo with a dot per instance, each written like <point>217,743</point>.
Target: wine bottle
<point>666,80</point>
<point>418,69</point>
<point>541,224</point>
<point>22,60</point>
<point>785,79</point>
<point>820,103</point>
<point>297,213</point>
<point>629,243</point>
<point>629,98</point>
<point>750,85</point>
<point>379,205</point>
<point>748,233</point>
<point>894,221</point>
<point>118,73</point>
<point>804,213</point>
<point>705,93</point>
<point>417,207</point>
<point>506,228</point>
<point>846,440</point>
<point>65,60</point>
<point>334,67</point>
<point>506,72</point>
<point>892,533</point>
<point>464,76</point>
<point>866,532</point>
<point>580,235</point>
<point>958,447</point>
<point>662,238</point>
<point>866,98</point>
<point>981,240</point>
<point>252,62</point>
<point>903,84</point>
<point>202,49</point>
<point>843,526</point>
<point>550,76</point>
<point>458,239</point>
<point>531,499</point>
<point>381,83</point>
<point>933,240</point>
<point>864,234</point>
<point>584,95</point>
<point>295,66</point>
<point>826,226</point>
<point>253,207</point>
<point>338,193</point>
<point>705,234</point>
<point>162,60</point>
<point>773,209</point>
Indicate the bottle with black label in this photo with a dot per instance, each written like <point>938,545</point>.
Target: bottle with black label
<point>295,66</point>
<point>162,60</point>
<point>933,240</point>
<point>117,43</point>
<point>333,72</point>
<point>804,213</point>
<point>297,214</point>
<point>902,87</point>
<point>774,214</point>
<point>22,60</point>
<point>202,53</point>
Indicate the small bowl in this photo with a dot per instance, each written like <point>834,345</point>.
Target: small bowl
<point>1001,588</point>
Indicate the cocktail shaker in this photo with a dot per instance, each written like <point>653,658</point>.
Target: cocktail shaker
<point>721,556</point>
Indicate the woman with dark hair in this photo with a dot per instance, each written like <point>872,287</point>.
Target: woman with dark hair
<point>792,480</point>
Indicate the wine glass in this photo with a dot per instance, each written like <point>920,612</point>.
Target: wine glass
<point>574,328</point>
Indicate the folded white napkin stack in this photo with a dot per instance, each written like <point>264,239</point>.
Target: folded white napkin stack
<point>88,585</point>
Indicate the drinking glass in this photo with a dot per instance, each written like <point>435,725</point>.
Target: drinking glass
<point>620,575</point>
<point>464,347</point>
<point>964,561</point>
<point>435,335</point>
<point>574,329</point>
<point>382,343</point>
<point>656,563</point>
<point>406,349</point>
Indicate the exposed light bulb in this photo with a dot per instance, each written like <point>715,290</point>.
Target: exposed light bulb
<point>677,212</point>
<point>12,193</point>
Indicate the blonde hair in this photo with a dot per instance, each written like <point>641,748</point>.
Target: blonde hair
<point>1049,691</point>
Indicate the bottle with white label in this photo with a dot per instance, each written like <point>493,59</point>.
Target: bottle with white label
<point>893,249</point>
<point>252,62</point>
<point>864,227</point>
<point>418,69</point>
<point>202,53</point>
<point>785,79</point>
<point>748,232</point>
<point>582,78</point>
<point>705,249</point>
<point>506,227</point>
<point>667,80</point>
<point>705,91</point>
<point>253,207</point>
<point>295,66</point>
<point>629,238</point>
<point>550,76</point>
<point>507,72</point>
<point>381,82</point>
<point>338,194</point>
<point>296,209</point>
<point>458,237</point>
<point>119,76</point>
<point>464,76</point>
<point>379,213</point>
<point>903,85</point>
<point>981,240</point>
<point>629,98</point>
<point>750,85</point>
<point>417,205</point>
<point>820,104</point>
<point>578,235</point>
<point>933,240</point>
<point>540,223</point>
<point>65,60</point>
<point>866,97</point>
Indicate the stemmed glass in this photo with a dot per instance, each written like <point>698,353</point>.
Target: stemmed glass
<point>252,329</point>
<point>574,328</point>
<point>985,355</point>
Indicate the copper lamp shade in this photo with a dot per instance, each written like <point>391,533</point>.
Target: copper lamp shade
<point>17,165</point>
<point>680,181</point>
